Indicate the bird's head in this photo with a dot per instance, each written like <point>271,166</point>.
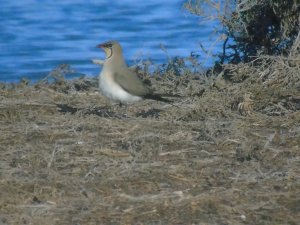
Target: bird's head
<point>111,49</point>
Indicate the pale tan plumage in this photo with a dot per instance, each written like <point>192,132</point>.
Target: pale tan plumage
<point>117,82</point>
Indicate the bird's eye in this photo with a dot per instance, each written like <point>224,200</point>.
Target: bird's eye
<point>108,45</point>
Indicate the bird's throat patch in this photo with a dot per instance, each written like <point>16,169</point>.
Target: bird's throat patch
<point>111,52</point>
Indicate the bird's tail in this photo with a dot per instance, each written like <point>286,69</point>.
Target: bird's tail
<point>157,97</point>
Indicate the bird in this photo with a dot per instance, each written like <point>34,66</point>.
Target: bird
<point>117,82</point>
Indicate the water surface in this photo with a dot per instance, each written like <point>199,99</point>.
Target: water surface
<point>36,36</point>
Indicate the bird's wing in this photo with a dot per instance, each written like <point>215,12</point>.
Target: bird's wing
<point>131,83</point>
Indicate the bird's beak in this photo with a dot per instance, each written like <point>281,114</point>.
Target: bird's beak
<point>100,46</point>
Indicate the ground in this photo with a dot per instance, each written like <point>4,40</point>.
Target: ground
<point>226,152</point>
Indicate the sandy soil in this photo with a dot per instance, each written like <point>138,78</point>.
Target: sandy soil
<point>227,152</point>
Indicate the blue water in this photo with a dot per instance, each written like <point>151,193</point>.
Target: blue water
<point>38,35</point>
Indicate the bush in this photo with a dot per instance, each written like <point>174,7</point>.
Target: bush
<point>269,27</point>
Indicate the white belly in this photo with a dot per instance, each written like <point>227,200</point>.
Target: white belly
<point>110,89</point>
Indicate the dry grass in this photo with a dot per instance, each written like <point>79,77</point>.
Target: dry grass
<point>228,152</point>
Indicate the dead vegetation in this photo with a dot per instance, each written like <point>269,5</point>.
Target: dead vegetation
<point>227,153</point>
